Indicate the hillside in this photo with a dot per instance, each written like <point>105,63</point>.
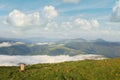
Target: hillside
<point>77,70</point>
<point>63,47</point>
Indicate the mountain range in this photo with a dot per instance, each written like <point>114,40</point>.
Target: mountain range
<point>44,46</point>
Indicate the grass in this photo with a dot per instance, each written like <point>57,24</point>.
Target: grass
<point>108,69</point>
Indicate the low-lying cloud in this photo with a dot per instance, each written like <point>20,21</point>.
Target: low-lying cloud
<point>5,44</point>
<point>8,44</point>
<point>6,60</point>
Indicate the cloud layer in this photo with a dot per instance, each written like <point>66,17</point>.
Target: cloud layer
<point>18,18</point>
<point>8,44</point>
<point>51,22</point>
<point>5,44</point>
<point>6,60</point>
<point>116,12</point>
<point>86,24</point>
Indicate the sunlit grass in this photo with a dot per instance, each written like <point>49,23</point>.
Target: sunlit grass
<point>108,69</point>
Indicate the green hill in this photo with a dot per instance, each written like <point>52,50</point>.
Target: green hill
<point>108,69</point>
<point>64,47</point>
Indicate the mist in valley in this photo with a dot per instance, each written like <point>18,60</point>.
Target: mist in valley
<point>7,60</point>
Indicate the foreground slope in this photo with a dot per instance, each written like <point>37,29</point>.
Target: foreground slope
<point>108,69</point>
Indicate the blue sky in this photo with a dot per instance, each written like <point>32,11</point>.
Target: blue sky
<point>89,19</point>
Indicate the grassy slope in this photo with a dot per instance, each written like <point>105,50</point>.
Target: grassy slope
<point>76,70</point>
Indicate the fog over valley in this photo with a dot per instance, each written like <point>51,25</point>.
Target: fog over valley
<point>6,60</point>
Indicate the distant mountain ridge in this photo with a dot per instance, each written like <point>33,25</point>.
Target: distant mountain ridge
<point>43,39</point>
<point>59,47</point>
<point>28,40</point>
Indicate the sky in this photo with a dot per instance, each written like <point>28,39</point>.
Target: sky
<point>60,19</point>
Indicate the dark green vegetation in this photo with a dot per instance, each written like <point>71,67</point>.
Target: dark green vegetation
<point>108,69</point>
<point>101,47</point>
<point>65,47</point>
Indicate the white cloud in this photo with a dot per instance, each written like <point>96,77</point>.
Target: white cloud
<point>75,24</point>
<point>71,1</point>
<point>50,12</point>
<point>95,23</point>
<point>33,18</point>
<point>6,60</point>
<point>5,44</point>
<point>51,26</point>
<point>18,18</point>
<point>8,44</point>
<point>86,24</point>
<point>58,27</point>
<point>67,25</point>
<point>116,12</point>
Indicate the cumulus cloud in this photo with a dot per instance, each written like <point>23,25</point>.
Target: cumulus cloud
<point>18,18</point>
<point>67,25</point>
<point>51,26</point>
<point>116,12</point>
<point>95,23</point>
<point>75,24</point>
<point>5,44</point>
<point>86,24</point>
<point>6,60</point>
<point>50,12</point>
<point>71,1</point>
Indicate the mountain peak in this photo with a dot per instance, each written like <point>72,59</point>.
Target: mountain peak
<point>100,40</point>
